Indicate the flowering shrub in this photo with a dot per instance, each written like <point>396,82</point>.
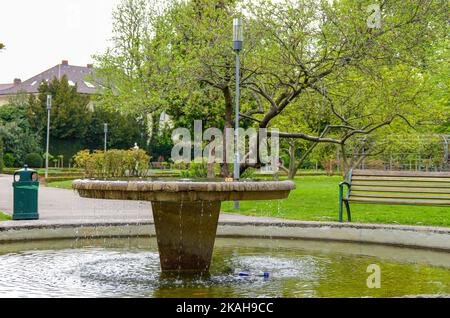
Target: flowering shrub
<point>113,163</point>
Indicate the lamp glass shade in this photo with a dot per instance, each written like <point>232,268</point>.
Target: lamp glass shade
<point>49,101</point>
<point>238,33</point>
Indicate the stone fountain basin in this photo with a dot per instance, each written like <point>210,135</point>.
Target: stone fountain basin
<point>186,213</point>
<point>188,191</point>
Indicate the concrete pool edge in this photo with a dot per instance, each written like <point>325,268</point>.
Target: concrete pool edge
<point>423,237</point>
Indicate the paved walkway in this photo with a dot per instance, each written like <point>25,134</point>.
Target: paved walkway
<point>66,206</point>
<point>73,216</point>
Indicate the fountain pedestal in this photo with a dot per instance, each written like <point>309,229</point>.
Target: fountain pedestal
<point>185,213</point>
<point>186,232</point>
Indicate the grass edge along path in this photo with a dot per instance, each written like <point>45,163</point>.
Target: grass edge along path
<point>316,199</point>
<point>5,217</point>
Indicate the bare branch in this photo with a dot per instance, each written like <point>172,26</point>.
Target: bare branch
<point>305,137</point>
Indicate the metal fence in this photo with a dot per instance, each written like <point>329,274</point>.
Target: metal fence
<point>430,153</point>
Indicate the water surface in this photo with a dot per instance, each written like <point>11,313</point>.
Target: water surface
<point>130,268</point>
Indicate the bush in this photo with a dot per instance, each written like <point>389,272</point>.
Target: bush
<point>249,173</point>
<point>196,170</point>
<point>113,164</point>
<point>19,141</point>
<point>9,160</point>
<point>34,160</point>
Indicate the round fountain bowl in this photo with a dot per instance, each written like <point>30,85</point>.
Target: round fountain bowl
<point>186,213</point>
<point>173,191</point>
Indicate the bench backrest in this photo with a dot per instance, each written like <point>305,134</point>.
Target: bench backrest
<point>400,187</point>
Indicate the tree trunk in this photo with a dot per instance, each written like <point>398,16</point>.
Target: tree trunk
<point>292,164</point>
<point>344,163</point>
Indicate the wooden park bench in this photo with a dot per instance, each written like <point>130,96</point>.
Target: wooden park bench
<point>394,187</point>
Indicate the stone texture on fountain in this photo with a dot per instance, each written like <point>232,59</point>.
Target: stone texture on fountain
<point>176,191</point>
<point>186,213</point>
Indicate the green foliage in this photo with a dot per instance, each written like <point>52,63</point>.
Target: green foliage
<point>22,138</point>
<point>34,160</point>
<point>162,145</point>
<point>66,148</point>
<point>332,76</point>
<point>18,137</point>
<point>18,141</point>
<point>9,160</point>
<point>113,164</point>
<point>69,116</point>
<point>65,184</point>
<point>132,67</point>
<point>16,110</point>
<point>196,170</point>
<point>306,65</point>
<point>124,130</point>
<point>74,126</point>
<point>248,173</point>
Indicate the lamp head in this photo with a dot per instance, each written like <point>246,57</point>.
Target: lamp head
<point>49,102</point>
<point>238,34</point>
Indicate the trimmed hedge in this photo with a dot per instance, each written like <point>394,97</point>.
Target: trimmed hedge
<point>113,164</point>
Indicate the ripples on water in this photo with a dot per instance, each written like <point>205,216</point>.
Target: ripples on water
<point>124,271</point>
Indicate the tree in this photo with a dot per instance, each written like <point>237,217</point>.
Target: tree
<point>124,130</point>
<point>18,141</point>
<point>202,63</point>
<point>327,49</point>
<point>317,69</point>
<point>15,130</point>
<point>299,48</point>
<point>70,116</point>
<point>70,113</point>
<point>176,59</point>
<point>131,70</point>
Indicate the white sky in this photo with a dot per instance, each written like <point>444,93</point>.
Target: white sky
<point>38,34</point>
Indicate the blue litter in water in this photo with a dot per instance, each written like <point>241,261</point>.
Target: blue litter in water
<point>264,274</point>
<point>244,274</point>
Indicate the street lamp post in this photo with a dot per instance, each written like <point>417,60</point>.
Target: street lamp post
<point>105,129</point>
<point>49,108</point>
<point>237,46</point>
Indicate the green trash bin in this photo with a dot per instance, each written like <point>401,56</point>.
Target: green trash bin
<point>26,186</point>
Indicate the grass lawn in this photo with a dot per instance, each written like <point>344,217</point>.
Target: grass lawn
<point>67,184</point>
<point>4,217</point>
<point>316,199</point>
